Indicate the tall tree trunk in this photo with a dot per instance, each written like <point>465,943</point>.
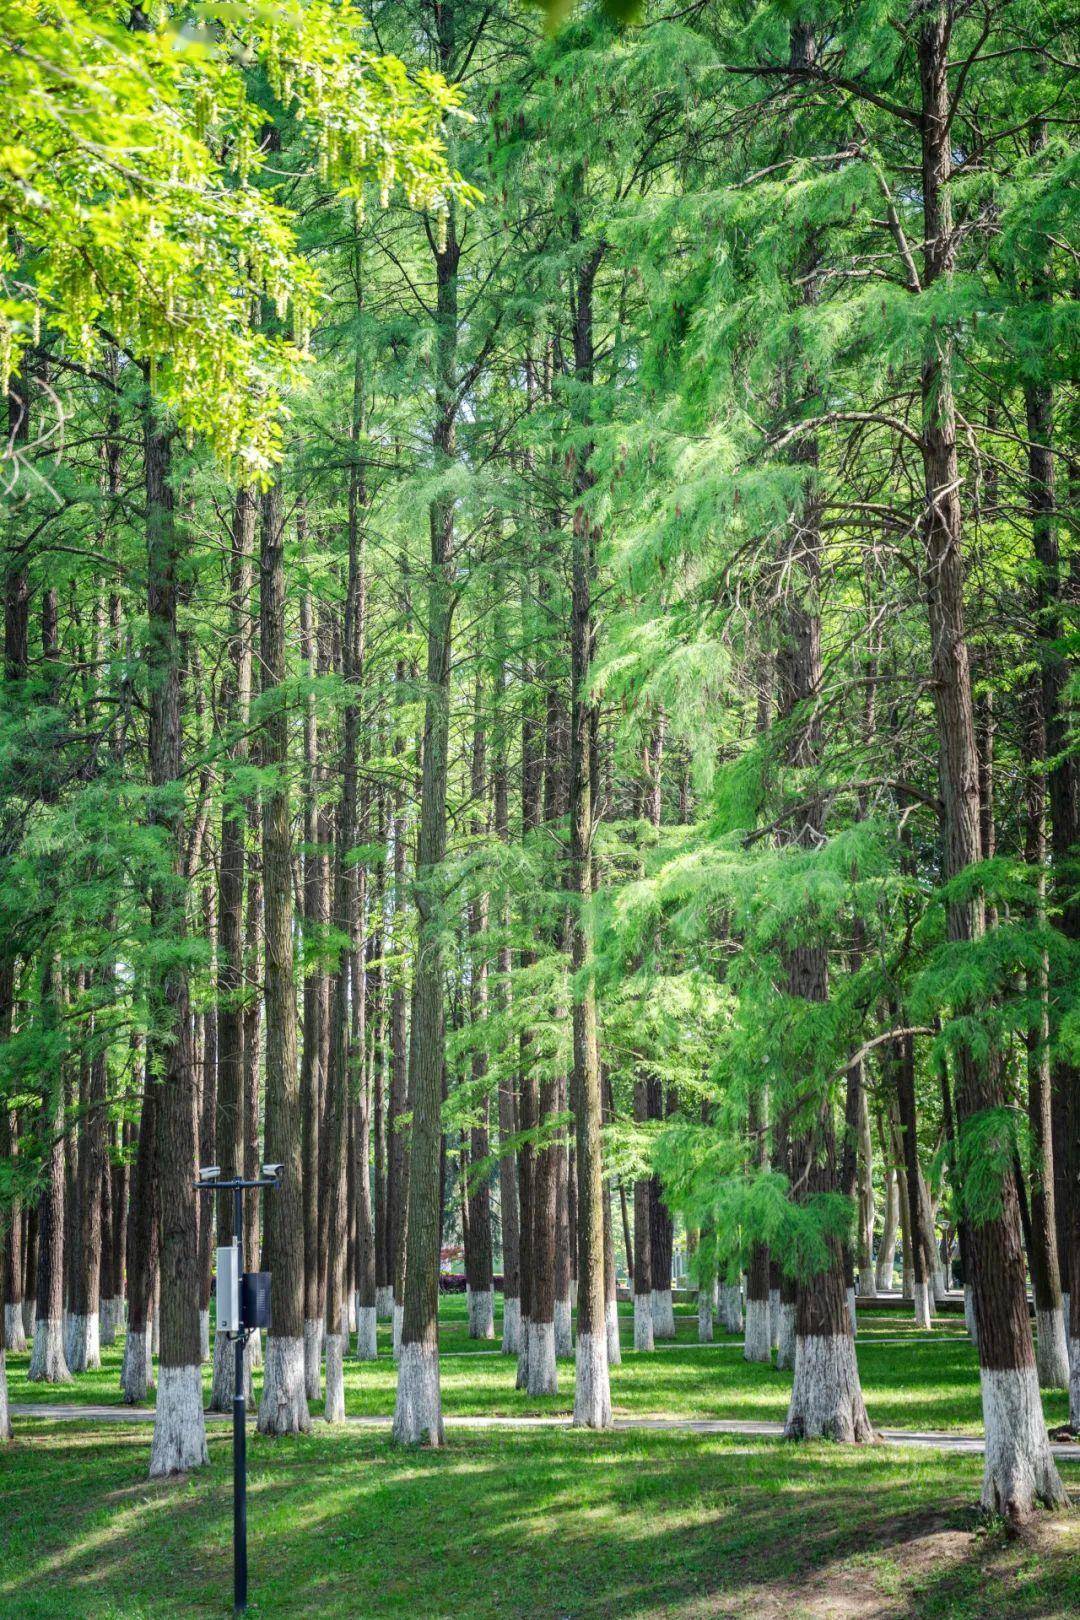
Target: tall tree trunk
<point>179,1442</point>
<point>283,1408</point>
<point>84,1334</point>
<point>311,1078</point>
<point>136,1374</point>
<point>528,1089</point>
<point>592,1391</point>
<point>1018,1466</point>
<point>507,1101</point>
<point>903,1068</point>
<point>643,1321</point>
<point>47,1361</point>
<point>478,1261</point>
<point>397,1172</point>
<point>1051,1343</point>
<point>826,1396</point>
<point>229,1104</point>
<point>418,1410</point>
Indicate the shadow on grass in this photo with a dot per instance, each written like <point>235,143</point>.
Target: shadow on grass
<point>548,1524</point>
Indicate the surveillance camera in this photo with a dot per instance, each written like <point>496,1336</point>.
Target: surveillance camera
<point>272,1170</point>
<point>209,1172</point>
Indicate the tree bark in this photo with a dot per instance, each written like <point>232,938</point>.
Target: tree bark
<point>179,1442</point>
<point>592,1392</point>
<point>418,1410</point>
<point>1018,1468</point>
<point>283,1408</point>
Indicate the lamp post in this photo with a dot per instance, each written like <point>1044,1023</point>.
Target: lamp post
<point>243,1304</point>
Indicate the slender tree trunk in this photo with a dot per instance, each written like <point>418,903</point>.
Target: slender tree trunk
<point>507,1101</point>
<point>397,1177</point>
<point>48,1364</point>
<point>1018,1466</point>
<point>592,1392</point>
<point>283,1408</point>
<point>84,1335</point>
<point>903,1067</point>
<point>1051,1343</point>
<point>136,1376</point>
<point>643,1322</point>
<point>564,1336</point>
<point>179,1442</point>
<point>418,1411</point>
<point>528,1089</point>
<point>311,1078</point>
<point>229,1106</point>
<point>478,1261</point>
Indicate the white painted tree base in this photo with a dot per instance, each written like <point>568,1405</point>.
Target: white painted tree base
<point>204,1335</point>
<point>774,1318</point>
<point>1051,1349</point>
<point>564,1330</point>
<point>480,1309</point>
<point>283,1408</point>
<point>923,1318</point>
<point>643,1325</point>
<point>137,1370</point>
<point>785,1350</point>
<point>418,1408</point>
<point>826,1396</point>
<point>48,1364</point>
<point>543,1372</point>
<point>852,1311</point>
<point>313,1346</point>
<point>592,1387</point>
<point>1074,1385</point>
<point>731,1309</point>
<point>221,1379</point>
<point>704,1317</point>
<point>522,1378</point>
<point>155,1334</point>
<point>255,1348</point>
<point>84,1339</point>
<point>1019,1469</point>
<point>106,1324</point>
<point>663,1313</point>
<point>334,1406</point>
<point>384,1304</point>
<point>179,1443</point>
<point>756,1345</point>
<point>399,1317</point>
<point>367,1334</point>
<point>884,1279</point>
<point>14,1330</point>
<point>511,1326</point>
<point>611,1324</point>
<point>866,1281</point>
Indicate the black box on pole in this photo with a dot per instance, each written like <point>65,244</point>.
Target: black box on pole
<point>255,1299</point>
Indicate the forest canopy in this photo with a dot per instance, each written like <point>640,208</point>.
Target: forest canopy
<point>541,578</point>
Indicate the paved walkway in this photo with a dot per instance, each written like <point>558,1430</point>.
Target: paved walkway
<point>932,1439</point>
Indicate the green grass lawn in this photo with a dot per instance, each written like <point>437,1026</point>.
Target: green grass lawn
<point>911,1380</point>
<point>548,1523</point>
<point>543,1522</point>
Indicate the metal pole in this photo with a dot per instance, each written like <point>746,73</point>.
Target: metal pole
<point>240,1573</point>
